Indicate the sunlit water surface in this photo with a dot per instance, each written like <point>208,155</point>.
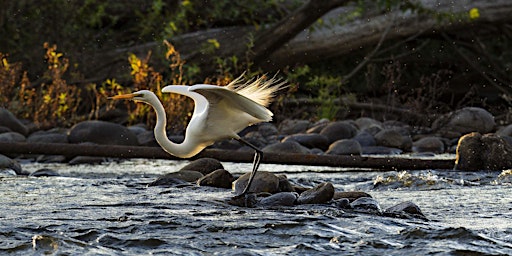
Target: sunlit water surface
<point>108,210</point>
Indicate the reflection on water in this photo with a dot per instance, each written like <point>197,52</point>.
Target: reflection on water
<point>108,210</point>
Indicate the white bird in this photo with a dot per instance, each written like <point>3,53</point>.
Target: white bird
<point>219,113</point>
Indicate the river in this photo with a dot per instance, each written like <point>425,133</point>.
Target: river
<point>107,209</point>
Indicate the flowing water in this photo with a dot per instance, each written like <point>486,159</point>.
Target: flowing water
<point>108,210</point>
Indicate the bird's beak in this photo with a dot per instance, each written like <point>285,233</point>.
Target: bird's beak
<point>128,96</point>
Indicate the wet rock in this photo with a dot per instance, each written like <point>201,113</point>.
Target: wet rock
<point>379,150</point>
<point>247,200</point>
<point>465,120</point>
<point>311,140</point>
<point>45,172</point>
<point>50,159</point>
<point>12,137</point>
<point>284,184</point>
<point>178,177</point>
<point>204,165</point>
<point>366,205</point>
<point>290,147</point>
<point>365,139</point>
<point>339,130</point>
<point>320,194</point>
<point>263,182</point>
<point>393,138</point>
<point>366,122</point>
<point>428,144</point>
<point>487,152</point>
<point>342,203</point>
<point>44,244</point>
<point>404,210</point>
<point>293,126</point>
<point>8,120</point>
<point>345,147</point>
<point>87,160</point>
<point>219,178</point>
<point>102,132</point>
<point>350,195</point>
<point>8,163</point>
<point>47,137</point>
<point>279,199</point>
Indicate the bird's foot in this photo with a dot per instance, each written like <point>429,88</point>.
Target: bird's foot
<point>244,200</point>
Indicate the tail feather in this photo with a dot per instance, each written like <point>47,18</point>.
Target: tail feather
<point>260,90</point>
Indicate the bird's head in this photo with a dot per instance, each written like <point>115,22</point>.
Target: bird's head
<point>143,96</point>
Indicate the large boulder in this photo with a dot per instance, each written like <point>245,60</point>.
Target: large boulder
<point>8,120</point>
<point>101,132</point>
<point>483,152</point>
<point>339,130</point>
<point>465,120</point>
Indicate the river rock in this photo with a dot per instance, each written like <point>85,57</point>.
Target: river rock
<point>366,205</point>
<point>365,139</point>
<point>279,199</point>
<point>345,147</point>
<point>174,178</point>
<point>505,131</point>
<point>350,195</point>
<point>293,126</point>
<point>101,132</point>
<point>380,150</point>
<point>219,178</point>
<point>12,137</point>
<point>483,152</point>
<point>404,210</point>
<point>318,126</point>
<point>309,140</point>
<point>86,160</point>
<point>284,184</point>
<point>465,120</point>
<point>8,120</point>
<point>45,172</point>
<point>320,194</point>
<point>203,165</point>
<point>366,122</point>
<point>47,137</point>
<point>428,144</point>
<point>339,130</point>
<point>267,130</point>
<point>393,138</point>
<point>263,182</point>
<point>290,147</point>
<point>8,163</point>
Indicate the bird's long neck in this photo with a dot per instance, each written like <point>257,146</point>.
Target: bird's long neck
<point>185,149</point>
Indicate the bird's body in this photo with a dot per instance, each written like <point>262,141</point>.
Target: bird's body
<point>219,113</point>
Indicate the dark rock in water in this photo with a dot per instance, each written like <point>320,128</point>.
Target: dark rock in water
<point>345,147</point>
<point>320,194</point>
<point>311,140</point>
<point>47,137</point>
<point>51,159</point>
<point>365,139</point>
<point>219,178</point>
<point>394,139</point>
<point>8,120</point>
<point>343,203</point>
<point>339,130</point>
<point>289,147</point>
<point>428,144</point>
<point>379,150</point>
<point>279,199</point>
<point>248,200</point>
<point>292,126</point>
<point>487,152</point>
<point>465,120</point>
<point>263,182</point>
<point>404,210</point>
<point>284,184</point>
<point>45,172</point>
<point>87,160</point>
<point>8,163</point>
<point>366,205</point>
<point>101,132</point>
<point>350,195</point>
<point>203,165</point>
<point>176,178</point>
<point>12,137</point>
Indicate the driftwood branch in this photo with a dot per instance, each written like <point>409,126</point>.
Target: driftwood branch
<point>373,163</point>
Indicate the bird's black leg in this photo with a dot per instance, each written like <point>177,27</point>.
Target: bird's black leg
<point>258,154</point>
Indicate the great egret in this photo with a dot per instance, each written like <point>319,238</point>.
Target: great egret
<point>219,113</point>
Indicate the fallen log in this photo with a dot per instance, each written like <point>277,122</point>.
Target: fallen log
<point>365,162</point>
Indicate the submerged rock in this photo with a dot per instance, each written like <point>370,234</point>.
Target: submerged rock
<point>320,194</point>
<point>366,205</point>
<point>350,195</point>
<point>45,172</point>
<point>405,210</point>
<point>279,199</point>
<point>219,178</point>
